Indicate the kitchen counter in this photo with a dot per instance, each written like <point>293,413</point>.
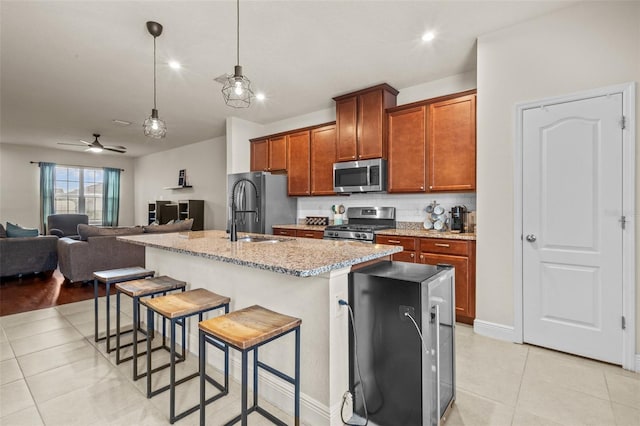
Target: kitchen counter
<point>400,232</point>
<point>301,257</point>
<point>299,277</point>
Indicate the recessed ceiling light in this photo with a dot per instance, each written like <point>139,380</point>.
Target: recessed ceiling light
<point>122,123</point>
<point>260,96</point>
<point>428,36</point>
<point>175,65</point>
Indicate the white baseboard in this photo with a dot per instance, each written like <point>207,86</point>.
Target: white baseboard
<point>493,330</point>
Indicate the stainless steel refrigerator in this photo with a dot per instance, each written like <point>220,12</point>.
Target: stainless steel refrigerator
<point>271,202</point>
<point>406,382</point>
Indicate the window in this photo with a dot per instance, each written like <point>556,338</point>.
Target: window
<point>79,190</point>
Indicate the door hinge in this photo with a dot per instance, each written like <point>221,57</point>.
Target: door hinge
<point>623,221</point>
<point>623,122</point>
<point>624,323</point>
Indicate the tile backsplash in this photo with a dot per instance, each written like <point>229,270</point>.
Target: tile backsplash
<point>409,207</point>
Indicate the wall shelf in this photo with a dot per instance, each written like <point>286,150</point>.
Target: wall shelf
<point>178,187</point>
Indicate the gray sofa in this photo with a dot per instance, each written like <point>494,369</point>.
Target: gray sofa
<point>26,255</point>
<point>98,249</point>
<point>66,224</point>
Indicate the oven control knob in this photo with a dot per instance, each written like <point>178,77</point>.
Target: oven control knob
<point>357,235</point>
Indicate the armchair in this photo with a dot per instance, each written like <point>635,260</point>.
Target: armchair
<point>66,224</point>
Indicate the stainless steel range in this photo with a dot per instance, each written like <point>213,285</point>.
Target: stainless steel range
<point>363,223</point>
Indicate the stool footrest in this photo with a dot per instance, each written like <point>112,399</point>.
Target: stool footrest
<point>276,372</point>
<point>178,382</point>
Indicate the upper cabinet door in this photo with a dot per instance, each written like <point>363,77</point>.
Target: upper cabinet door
<point>323,155</point>
<point>370,125</point>
<point>278,154</point>
<point>452,144</point>
<point>407,150</point>
<point>347,123</point>
<point>298,157</point>
<point>260,155</point>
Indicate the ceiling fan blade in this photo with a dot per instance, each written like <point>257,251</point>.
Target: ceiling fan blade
<point>121,151</point>
<point>115,147</point>
<point>72,144</point>
<point>85,142</point>
<point>222,78</point>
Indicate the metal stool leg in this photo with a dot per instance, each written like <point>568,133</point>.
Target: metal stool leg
<point>135,335</point>
<point>297,379</point>
<point>172,375</point>
<point>202,365</point>
<point>95,308</point>
<point>149,322</point>
<point>243,413</point>
<point>255,377</point>
<point>108,297</point>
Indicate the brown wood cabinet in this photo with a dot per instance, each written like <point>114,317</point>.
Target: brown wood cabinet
<point>323,155</point>
<point>298,159</point>
<point>309,234</point>
<point>284,231</point>
<point>432,145</point>
<point>459,253</point>
<point>452,144</point>
<point>269,154</point>
<point>361,123</point>
<point>407,150</point>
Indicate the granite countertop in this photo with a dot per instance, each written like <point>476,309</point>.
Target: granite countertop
<point>302,257</point>
<point>405,229</point>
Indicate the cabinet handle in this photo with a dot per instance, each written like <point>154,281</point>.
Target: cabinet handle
<point>308,235</point>
<point>422,187</point>
<point>413,255</point>
<point>441,245</point>
<point>394,241</point>
<point>421,257</point>
<point>430,186</point>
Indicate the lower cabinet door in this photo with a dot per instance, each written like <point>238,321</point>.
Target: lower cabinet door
<point>404,256</point>
<point>465,296</point>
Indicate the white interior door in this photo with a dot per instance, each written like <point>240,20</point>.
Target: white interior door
<point>572,234</point>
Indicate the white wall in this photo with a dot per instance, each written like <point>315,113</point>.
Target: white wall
<point>589,45</point>
<point>239,132</point>
<point>20,181</point>
<point>205,163</point>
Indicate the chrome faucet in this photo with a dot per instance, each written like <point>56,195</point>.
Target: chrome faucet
<point>233,236</point>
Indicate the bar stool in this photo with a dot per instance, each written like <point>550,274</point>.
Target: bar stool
<point>177,308</point>
<point>136,289</point>
<point>246,330</point>
<point>108,277</point>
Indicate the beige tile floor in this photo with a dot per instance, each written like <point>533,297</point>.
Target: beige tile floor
<point>52,373</point>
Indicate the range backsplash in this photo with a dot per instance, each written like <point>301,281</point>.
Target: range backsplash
<point>409,207</point>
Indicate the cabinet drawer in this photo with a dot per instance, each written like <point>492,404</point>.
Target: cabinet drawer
<point>441,245</point>
<point>404,256</point>
<point>309,234</point>
<point>284,231</point>
<point>408,243</point>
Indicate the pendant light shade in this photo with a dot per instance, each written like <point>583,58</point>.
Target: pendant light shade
<point>237,88</point>
<point>153,126</point>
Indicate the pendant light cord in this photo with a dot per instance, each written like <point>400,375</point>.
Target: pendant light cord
<point>154,72</point>
<point>237,32</point>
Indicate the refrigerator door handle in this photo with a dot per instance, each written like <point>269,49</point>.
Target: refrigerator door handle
<point>437,321</point>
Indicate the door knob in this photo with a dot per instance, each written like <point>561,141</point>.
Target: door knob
<point>531,238</point>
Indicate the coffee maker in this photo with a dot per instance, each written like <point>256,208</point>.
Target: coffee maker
<point>458,217</point>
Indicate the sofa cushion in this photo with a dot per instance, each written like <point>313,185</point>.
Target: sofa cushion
<point>16,231</point>
<point>86,231</point>
<point>177,226</point>
<point>3,232</point>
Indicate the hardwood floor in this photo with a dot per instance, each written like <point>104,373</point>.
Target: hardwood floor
<point>31,292</point>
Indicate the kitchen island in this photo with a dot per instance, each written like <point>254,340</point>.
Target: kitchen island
<point>295,276</point>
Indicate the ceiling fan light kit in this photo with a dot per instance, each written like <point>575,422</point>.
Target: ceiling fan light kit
<point>153,126</point>
<point>236,90</point>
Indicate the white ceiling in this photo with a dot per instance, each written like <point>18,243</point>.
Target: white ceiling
<point>68,68</point>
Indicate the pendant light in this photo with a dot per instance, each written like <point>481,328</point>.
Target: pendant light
<point>237,88</point>
<point>153,126</point>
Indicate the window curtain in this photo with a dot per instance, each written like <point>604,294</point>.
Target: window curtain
<point>47,193</point>
<point>110,197</point>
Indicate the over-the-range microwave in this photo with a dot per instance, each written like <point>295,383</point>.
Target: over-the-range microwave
<point>360,176</point>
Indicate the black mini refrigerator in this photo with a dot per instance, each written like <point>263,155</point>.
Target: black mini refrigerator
<point>406,380</point>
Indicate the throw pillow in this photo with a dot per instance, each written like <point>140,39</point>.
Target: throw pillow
<point>185,225</point>
<point>86,231</point>
<point>3,233</point>
<point>16,231</point>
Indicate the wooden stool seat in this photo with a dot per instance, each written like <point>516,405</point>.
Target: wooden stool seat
<point>185,304</point>
<point>249,327</point>
<point>148,286</point>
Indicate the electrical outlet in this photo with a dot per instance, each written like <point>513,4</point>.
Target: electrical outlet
<point>339,309</point>
<point>402,309</point>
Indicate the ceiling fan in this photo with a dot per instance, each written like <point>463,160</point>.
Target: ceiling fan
<point>96,146</point>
